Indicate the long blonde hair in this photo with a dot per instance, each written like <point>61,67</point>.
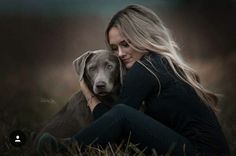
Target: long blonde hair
<point>144,31</point>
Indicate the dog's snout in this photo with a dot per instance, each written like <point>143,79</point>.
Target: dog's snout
<point>101,84</point>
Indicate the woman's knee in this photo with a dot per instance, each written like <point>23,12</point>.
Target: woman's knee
<point>120,109</point>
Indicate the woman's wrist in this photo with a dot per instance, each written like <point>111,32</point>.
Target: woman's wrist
<point>90,97</point>
<point>92,102</point>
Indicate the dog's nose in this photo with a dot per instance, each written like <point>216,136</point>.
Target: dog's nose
<point>100,84</point>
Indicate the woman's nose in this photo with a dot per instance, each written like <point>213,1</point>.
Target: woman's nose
<point>120,52</point>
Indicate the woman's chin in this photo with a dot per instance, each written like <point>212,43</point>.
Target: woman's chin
<point>129,65</point>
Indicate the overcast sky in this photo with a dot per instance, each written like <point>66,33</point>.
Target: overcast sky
<point>75,7</point>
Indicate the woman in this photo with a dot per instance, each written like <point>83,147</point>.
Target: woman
<point>180,113</point>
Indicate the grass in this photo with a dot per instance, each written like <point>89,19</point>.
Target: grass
<point>29,121</point>
<point>123,149</point>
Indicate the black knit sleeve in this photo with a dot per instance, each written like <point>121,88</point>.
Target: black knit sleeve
<point>138,85</point>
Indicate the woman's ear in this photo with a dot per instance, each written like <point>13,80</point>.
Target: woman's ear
<point>80,63</point>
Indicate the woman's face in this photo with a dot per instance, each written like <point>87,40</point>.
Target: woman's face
<point>122,49</point>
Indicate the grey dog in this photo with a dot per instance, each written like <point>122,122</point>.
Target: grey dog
<point>103,73</point>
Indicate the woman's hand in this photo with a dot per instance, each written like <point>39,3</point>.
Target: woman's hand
<point>92,100</point>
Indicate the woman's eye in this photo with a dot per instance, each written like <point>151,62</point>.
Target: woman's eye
<point>114,48</point>
<point>125,44</point>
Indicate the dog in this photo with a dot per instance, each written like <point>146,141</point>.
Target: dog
<point>103,73</point>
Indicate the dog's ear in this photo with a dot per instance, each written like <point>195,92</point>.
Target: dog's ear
<point>122,69</point>
<point>80,63</point>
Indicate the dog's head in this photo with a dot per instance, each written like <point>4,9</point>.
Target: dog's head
<point>101,70</point>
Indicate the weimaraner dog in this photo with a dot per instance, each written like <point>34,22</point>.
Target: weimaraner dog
<point>103,73</point>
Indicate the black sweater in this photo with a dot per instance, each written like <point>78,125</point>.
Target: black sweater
<point>170,101</point>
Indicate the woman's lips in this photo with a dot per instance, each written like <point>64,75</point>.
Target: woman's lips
<point>126,60</point>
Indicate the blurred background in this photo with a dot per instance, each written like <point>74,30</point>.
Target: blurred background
<point>39,39</point>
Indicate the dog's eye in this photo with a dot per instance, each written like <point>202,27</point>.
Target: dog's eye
<point>92,69</point>
<point>109,66</point>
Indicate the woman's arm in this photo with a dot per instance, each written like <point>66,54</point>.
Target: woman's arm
<point>138,84</point>
<point>92,100</point>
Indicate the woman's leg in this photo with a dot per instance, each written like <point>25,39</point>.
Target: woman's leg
<point>122,120</point>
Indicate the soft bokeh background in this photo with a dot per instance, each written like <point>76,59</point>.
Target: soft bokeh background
<point>39,39</point>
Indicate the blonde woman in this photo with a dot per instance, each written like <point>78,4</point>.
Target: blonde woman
<point>180,113</point>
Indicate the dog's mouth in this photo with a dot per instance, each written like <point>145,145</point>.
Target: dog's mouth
<point>102,93</point>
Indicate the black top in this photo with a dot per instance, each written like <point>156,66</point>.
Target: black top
<point>170,101</point>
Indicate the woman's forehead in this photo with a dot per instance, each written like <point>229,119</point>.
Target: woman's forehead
<point>115,36</point>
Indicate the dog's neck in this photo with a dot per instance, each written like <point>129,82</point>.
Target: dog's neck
<point>111,97</point>
<point>108,99</point>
